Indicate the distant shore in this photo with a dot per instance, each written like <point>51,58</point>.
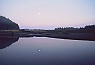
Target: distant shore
<point>74,36</point>
<point>84,33</point>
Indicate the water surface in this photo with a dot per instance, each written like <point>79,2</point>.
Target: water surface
<point>48,51</point>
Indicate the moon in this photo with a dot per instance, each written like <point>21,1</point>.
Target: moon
<point>39,13</point>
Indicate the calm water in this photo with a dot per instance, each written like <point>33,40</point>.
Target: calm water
<point>46,51</point>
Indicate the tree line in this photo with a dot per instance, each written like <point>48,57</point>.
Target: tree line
<point>72,28</point>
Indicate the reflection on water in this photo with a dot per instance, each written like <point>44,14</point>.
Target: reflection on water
<point>6,41</point>
<point>47,51</point>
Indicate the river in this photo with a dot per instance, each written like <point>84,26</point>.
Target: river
<point>46,51</point>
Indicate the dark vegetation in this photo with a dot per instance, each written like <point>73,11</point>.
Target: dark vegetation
<point>86,29</point>
<point>61,30</point>
<point>7,24</point>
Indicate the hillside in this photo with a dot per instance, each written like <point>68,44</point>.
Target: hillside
<point>7,24</point>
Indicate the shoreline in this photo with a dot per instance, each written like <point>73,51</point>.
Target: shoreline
<point>72,36</point>
<point>67,35</point>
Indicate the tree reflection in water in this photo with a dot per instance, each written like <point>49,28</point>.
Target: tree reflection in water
<point>6,41</point>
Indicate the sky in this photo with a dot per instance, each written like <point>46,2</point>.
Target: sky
<point>48,14</point>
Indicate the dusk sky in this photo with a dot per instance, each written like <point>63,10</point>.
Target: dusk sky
<point>48,14</point>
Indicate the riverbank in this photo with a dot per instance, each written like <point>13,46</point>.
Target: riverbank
<point>73,36</point>
<point>50,34</point>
